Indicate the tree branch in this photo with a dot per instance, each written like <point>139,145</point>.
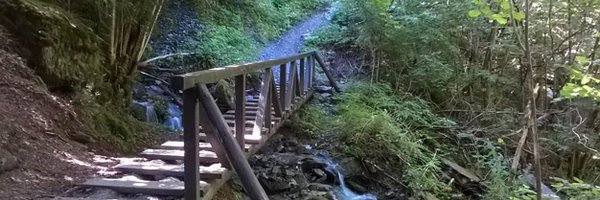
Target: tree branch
<point>146,62</point>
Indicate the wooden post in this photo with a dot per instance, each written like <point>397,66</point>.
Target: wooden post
<point>289,97</point>
<point>240,109</point>
<point>269,101</point>
<point>282,85</point>
<point>314,70</point>
<point>191,146</point>
<point>327,73</point>
<point>263,97</point>
<point>235,154</point>
<point>302,75</point>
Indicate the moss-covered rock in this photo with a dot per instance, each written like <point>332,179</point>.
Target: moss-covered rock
<point>63,50</point>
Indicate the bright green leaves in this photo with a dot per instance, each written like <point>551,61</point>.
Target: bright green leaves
<point>499,18</point>
<point>474,13</point>
<point>582,84</point>
<point>581,59</point>
<point>502,15</point>
<point>519,16</point>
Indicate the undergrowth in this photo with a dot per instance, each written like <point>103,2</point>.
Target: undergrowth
<point>384,127</point>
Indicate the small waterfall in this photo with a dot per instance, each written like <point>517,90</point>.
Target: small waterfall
<point>173,120</point>
<point>151,115</point>
<point>345,193</point>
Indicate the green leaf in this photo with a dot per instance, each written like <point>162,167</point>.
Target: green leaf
<point>486,11</point>
<point>505,4</point>
<point>519,15</point>
<point>581,59</point>
<point>499,19</point>
<point>474,13</point>
<point>567,90</point>
<point>585,80</point>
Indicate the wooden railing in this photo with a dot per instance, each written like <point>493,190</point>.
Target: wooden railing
<point>201,112</point>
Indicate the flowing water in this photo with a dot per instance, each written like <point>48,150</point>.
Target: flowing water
<point>344,193</point>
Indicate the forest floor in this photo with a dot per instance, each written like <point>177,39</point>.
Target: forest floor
<point>37,150</point>
<point>45,146</point>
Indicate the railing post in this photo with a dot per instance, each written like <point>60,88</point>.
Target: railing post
<point>240,109</point>
<point>302,75</point>
<point>263,98</point>
<point>191,146</point>
<point>289,97</point>
<point>314,70</point>
<point>282,86</point>
<point>268,104</point>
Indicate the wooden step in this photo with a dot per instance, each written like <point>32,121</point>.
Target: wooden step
<point>206,157</point>
<point>248,138</point>
<point>247,117</point>
<point>214,171</point>
<point>203,145</point>
<point>81,198</point>
<point>248,112</point>
<point>141,187</point>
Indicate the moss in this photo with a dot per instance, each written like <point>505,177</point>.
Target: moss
<point>224,93</point>
<point>64,51</point>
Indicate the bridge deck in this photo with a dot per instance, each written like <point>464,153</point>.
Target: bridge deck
<point>208,153</point>
<point>213,175</point>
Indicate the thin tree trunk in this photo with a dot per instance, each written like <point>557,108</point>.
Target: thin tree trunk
<point>532,101</point>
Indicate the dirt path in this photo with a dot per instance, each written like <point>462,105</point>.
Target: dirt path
<point>291,42</point>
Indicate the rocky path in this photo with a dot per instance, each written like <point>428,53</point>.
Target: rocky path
<point>291,42</point>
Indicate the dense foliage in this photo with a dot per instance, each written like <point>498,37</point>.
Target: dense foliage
<point>508,71</point>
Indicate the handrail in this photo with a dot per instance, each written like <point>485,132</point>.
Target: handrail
<point>274,101</point>
<point>189,80</point>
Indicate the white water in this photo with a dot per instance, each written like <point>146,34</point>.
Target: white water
<point>345,193</point>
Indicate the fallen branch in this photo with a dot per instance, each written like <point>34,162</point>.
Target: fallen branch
<point>146,62</point>
<point>154,77</point>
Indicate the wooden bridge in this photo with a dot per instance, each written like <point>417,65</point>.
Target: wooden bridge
<point>216,144</point>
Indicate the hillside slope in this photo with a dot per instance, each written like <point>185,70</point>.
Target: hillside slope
<point>36,152</point>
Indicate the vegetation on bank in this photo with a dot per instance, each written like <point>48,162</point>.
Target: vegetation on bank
<point>90,50</point>
<point>235,30</point>
<point>484,66</point>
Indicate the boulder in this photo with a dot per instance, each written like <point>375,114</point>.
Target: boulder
<point>324,89</point>
<point>351,167</point>
<point>356,187</point>
<point>320,187</point>
<point>7,161</point>
<point>273,185</point>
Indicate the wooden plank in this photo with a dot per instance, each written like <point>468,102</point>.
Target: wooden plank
<point>240,108</point>
<point>212,138</point>
<point>234,153</point>
<point>142,187</point>
<point>189,80</point>
<point>203,145</point>
<point>211,172</point>
<point>327,73</point>
<point>190,137</point>
<point>248,138</point>
<point>206,157</point>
